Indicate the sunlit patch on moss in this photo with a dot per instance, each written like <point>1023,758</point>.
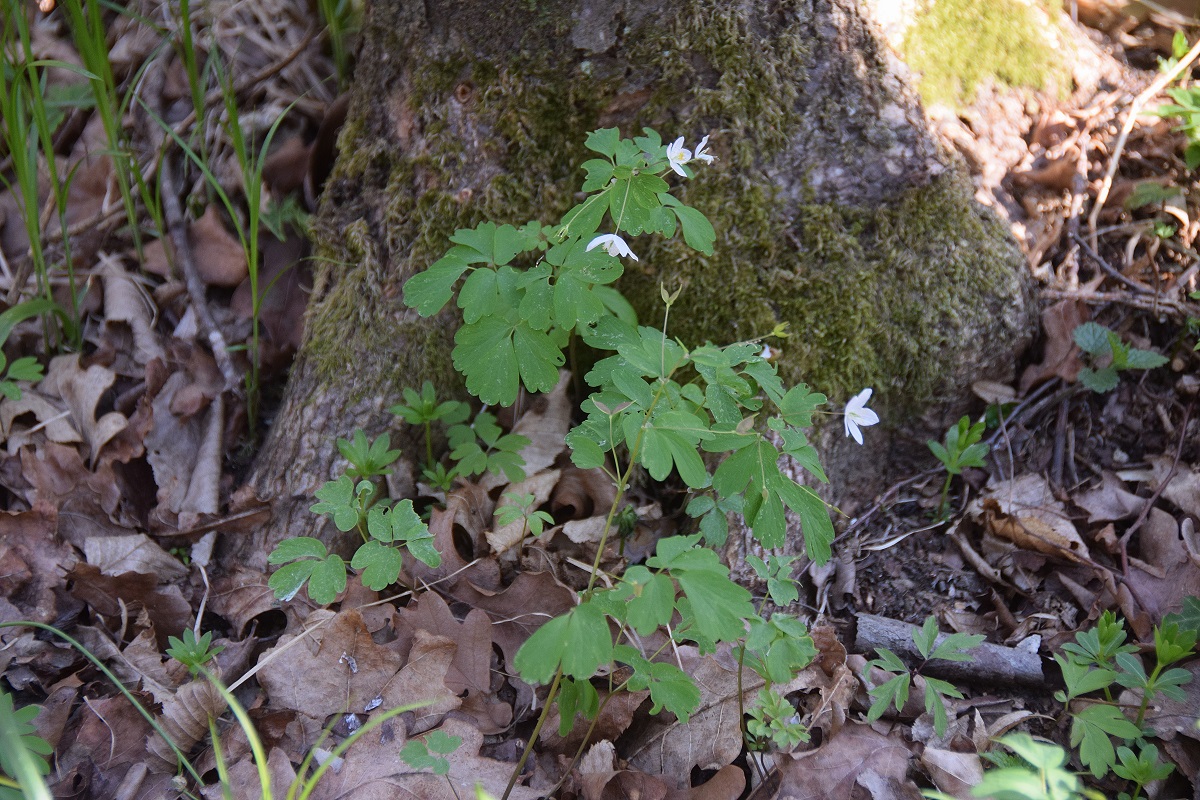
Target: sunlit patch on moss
<point>957,45</point>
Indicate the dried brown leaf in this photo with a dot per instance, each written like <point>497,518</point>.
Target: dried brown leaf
<point>1060,356</point>
<point>337,669</point>
<point>81,390</point>
<point>712,738</point>
<point>373,770</point>
<point>855,760</point>
<point>1024,511</point>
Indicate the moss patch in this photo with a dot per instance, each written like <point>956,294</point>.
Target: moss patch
<point>956,45</point>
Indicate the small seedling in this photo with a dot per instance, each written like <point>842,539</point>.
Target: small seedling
<point>895,690</point>
<point>423,408</point>
<point>962,449</point>
<point>367,460</point>
<point>193,653</point>
<point>1109,355</point>
<point>535,522</point>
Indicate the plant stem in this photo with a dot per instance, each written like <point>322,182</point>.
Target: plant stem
<point>537,729</point>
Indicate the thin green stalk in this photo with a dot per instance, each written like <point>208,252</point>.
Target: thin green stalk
<point>146,715</point>
<point>537,729</point>
<point>29,780</point>
<point>91,40</point>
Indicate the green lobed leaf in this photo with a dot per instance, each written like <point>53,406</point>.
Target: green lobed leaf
<point>603,141</point>
<point>485,355</point>
<point>1092,338</point>
<point>379,564</point>
<point>328,579</point>
<point>579,641</point>
<point>296,548</point>
<point>289,579</point>
<point>429,291</point>
<point>1090,731</point>
<point>673,689</point>
<point>340,501</point>
<point>697,230</point>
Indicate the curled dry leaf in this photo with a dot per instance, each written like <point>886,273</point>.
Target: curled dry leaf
<point>1060,356</point>
<point>50,418</point>
<point>125,302</point>
<point>81,390</point>
<point>953,773</point>
<point>1024,511</point>
<point>184,718</point>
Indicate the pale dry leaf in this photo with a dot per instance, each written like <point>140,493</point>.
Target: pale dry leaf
<point>711,739</point>
<point>115,555</point>
<point>53,420</point>
<point>1110,501</point>
<point>172,445</point>
<point>545,424</point>
<point>125,301</point>
<point>81,391</point>
<point>373,770</point>
<point>951,772</point>
<point>857,759</point>
<point>585,531</point>
<point>728,784</point>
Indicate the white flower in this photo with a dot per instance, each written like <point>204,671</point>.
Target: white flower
<point>858,414</point>
<point>678,155</point>
<point>700,155</point>
<point>613,245</point>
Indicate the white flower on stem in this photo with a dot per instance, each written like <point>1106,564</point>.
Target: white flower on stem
<point>678,155</point>
<point>700,155</point>
<point>857,414</point>
<point>613,245</point>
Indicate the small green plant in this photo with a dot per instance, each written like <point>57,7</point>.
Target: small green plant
<point>657,407</point>
<point>1037,772</point>
<point>1100,658</point>
<point>961,449</point>
<point>475,448</point>
<point>894,691</point>
<point>386,530</point>
<point>193,653</point>
<point>23,754</point>
<point>1186,105</point>
<point>23,369</point>
<point>430,751</point>
<point>1109,356</point>
<point>521,508</point>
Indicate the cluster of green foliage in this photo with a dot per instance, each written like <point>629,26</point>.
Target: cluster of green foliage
<point>961,448</point>
<point>1109,356</point>
<point>894,691</point>
<point>1100,659</point>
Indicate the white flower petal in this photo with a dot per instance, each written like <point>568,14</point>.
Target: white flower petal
<point>857,414</point>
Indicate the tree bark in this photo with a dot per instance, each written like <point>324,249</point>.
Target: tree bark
<point>835,209</point>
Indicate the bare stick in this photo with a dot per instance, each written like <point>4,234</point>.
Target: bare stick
<point>990,664</point>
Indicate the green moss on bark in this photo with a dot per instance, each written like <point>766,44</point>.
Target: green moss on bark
<point>884,296</point>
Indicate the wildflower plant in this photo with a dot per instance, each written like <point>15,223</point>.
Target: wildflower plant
<point>657,406</point>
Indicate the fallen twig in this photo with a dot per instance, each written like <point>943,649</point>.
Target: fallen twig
<point>989,664</point>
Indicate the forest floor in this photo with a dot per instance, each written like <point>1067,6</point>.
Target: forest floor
<point>122,465</point>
